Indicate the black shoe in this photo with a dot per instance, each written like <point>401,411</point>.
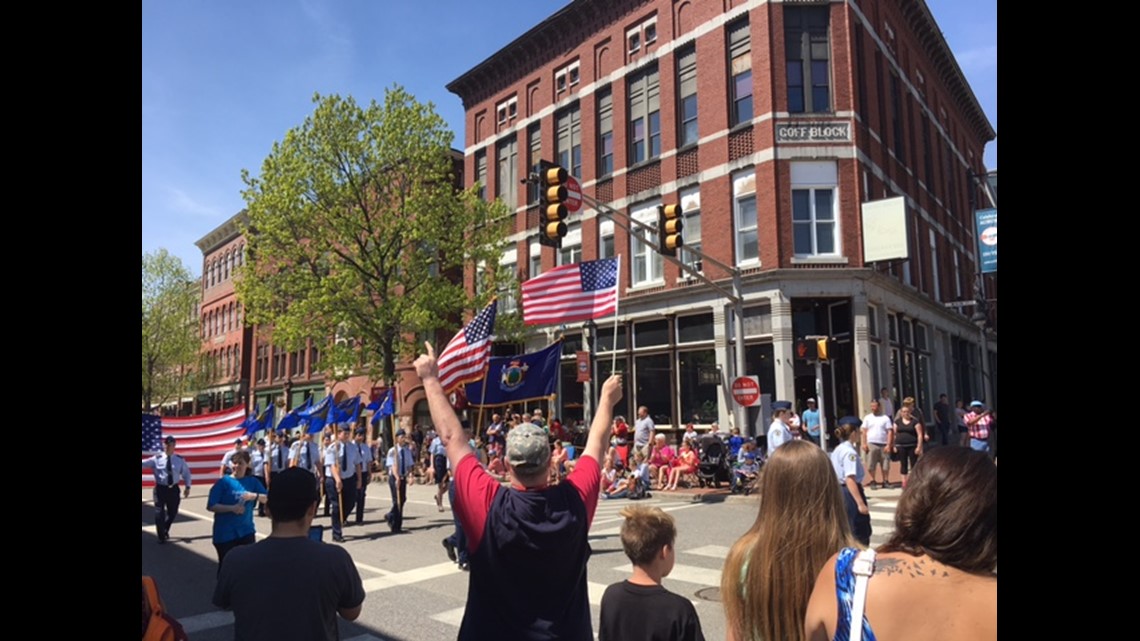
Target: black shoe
<point>450,549</point>
<point>338,539</point>
<point>465,566</point>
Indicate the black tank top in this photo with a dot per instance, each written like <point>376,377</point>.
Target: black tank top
<point>906,433</point>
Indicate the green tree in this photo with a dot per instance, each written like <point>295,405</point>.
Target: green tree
<point>170,340</point>
<point>357,232</point>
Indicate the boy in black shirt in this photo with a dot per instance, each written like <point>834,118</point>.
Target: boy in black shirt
<point>639,608</point>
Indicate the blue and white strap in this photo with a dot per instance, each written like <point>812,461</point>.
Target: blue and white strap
<point>862,567</point>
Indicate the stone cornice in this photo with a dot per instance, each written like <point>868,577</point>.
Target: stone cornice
<point>223,233</point>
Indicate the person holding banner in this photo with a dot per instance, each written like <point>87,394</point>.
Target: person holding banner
<point>513,530</point>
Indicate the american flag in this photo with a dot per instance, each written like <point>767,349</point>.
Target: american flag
<point>466,356</point>
<point>201,440</point>
<point>571,293</point>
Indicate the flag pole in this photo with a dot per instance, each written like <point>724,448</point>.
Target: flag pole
<point>617,304</point>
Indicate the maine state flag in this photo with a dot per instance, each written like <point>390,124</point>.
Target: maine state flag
<point>514,379</point>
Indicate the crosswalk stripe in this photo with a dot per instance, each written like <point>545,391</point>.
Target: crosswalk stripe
<point>206,621</point>
<point>452,617</point>
<point>684,573</point>
<point>411,576</point>
<point>713,551</point>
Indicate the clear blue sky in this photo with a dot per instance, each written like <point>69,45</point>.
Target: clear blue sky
<point>221,81</point>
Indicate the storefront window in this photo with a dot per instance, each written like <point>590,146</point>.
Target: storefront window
<point>651,333</point>
<point>652,387</point>
<point>571,400</point>
<point>606,338</point>
<point>693,329</point>
<point>604,371</point>
<point>700,384</point>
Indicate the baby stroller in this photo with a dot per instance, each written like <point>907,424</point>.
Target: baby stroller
<point>714,467</point>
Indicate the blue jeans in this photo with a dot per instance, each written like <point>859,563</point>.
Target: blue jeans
<point>979,445</point>
<point>458,538</point>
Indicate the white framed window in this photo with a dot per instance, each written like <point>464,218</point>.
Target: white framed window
<point>568,150</point>
<point>606,239</point>
<point>505,281</point>
<point>934,266</point>
<point>644,116</point>
<point>567,76</point>
<point>815,225</point>
<point>690,200</point>
<point>647,265</point>
<point>744,218</point>
<point>650,31</point>
<point>507,160</point>
<point>571,251</point>
<point>640,36</point>
<point>687,130</point>
<point>873,321</point>
<point>507,110</point>
<point>535,259</point>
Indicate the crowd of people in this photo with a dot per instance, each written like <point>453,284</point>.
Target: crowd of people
<point>524,496</point>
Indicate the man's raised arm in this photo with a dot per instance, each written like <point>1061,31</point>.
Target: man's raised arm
<point>442,414</point>
<point>599,435</point>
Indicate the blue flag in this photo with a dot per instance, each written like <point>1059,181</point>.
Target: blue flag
<point>293,418</point>
<point>346,411</point>
<point>514,379</point>
<point>250,423</point>
<point>265,420</point>
<point>384,407</point>
<point>317,415</point>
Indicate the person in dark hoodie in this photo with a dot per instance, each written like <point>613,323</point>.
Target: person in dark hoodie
<point>517,534</point>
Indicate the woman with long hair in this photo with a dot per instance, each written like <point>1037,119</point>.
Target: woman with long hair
<point>769,574</point>
<point>943,550</point>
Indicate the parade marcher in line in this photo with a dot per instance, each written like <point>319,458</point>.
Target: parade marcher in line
<point>364,458</point>
<point>259,578</point>
<point>259,469</point>
<point>279,457</point>
<point>942,421</point>
<point>979,421</point>
<point>439,465</point>
<point>167,468</point>
<point>639,607</point>
<point>401,463</point>
<point>335,487</point>
<point>811,421</point>
<point>778,432</point>
<point>231,500</point>
<point>351,471</point>
<point>849,470</point>
<point>909,433</point>
<point>227,464</point>
<point>878,440</point>
<point>529,536</point>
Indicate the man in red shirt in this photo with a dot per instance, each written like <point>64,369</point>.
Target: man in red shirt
<point>527,542</point>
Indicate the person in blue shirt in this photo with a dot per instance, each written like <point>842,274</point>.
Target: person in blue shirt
<point>167,467</point>
<point>232,500</point>
<point>811,421</point>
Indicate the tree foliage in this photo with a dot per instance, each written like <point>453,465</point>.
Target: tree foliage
<point>357,233</point>
<point>170,339</point>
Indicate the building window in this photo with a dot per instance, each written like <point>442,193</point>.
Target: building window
<point>814,224</point>
<point>873,321</point>
<point>896,117</point>
<point>534,136</point>
<point>507,110</point>
<point>876,377</point>
<point>571,251</point>
<point>934,266</point>
<point>740,66</point>
<point>644,116</point>
<point>569,147</point>
<point>535,259</point>
<point>605,239</point>
<point>957,277</point>
<point>690,200</point>
<point>650,33</point>
<point>314,359</point>
<point>808,50</point>
<point>481,172</point>
<point>634,42</point>
<point>567,77</point>
<point>639,37</point>
<point>505,281</point>
<point>744,215</point>
<point>507,160</point>
<point>927,155</point>
<point>687,96</point>
<point>647,263</point>
<point>605,133</point>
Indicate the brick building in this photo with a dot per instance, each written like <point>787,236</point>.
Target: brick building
<point>226,341</point>
<point>772,123</point>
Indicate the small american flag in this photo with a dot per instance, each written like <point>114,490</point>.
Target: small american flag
<point>466,356</point>
<point>151,433</point>
<point>571,293</point>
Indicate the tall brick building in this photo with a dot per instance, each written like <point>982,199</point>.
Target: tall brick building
<point>772,123</point>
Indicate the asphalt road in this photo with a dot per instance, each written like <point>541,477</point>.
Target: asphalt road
<point>415,593</point>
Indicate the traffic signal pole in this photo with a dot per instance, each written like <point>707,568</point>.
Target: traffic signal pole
<point>821,405</point>
<point>735,297</point>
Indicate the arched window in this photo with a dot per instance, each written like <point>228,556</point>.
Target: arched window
<point>226,267</point>
<point>237,361</point>
<point>241,254</point>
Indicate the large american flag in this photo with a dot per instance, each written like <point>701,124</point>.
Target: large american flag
<point>466,356</point>
<point>202,440</point>
<point>571,293</point>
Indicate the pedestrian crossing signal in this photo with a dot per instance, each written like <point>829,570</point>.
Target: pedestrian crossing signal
<point>821,350</point>
<point>807,350</point>
<point>552,206</point>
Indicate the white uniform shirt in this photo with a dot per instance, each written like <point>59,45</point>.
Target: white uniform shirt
<point>778,434</point>
<point>847,462</point>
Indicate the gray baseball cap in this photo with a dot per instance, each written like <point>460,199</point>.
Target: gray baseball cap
<point>528,447</point>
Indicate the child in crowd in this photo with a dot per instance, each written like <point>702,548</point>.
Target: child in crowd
<point>746,473</point>
<point>639,607</point>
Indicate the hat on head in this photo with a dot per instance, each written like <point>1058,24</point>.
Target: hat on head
<point>401,432</point>
<point>261,441</point>
<point>528,447</point>
<point>169,439</point>
<point>345,427</point>
<point>977,404</point>
<point>850,420</point>
<point>360,431</point>
<point>782,405</point>
<point>811,400</point>
<point>237,441</point>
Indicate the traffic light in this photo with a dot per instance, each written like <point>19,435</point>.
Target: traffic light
<point>552,210</point>
<point>821,349</point>
<point>807,349</point>
<point>669,226</point>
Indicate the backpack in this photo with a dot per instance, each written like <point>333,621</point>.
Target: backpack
<point>157,625</point>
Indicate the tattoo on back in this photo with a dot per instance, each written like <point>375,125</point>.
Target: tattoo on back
<point>913,569</point>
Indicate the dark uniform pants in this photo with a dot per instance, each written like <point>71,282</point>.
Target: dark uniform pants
<point>166,501</point>
<point>395,516</point>
<point>260,505</point>
<point>860,523</point>
<point>360,496</point>
<point>347,494</point>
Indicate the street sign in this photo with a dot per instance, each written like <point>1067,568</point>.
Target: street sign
<point>746,390</point>
<point>573,200</point>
